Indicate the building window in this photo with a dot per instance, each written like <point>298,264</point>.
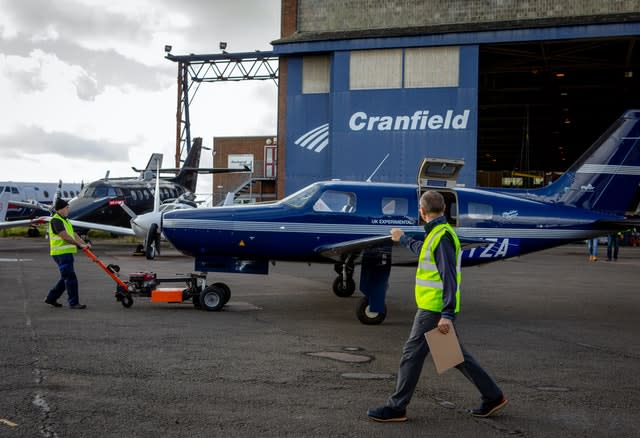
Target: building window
<point>426,67</point>
<point>315,74</point>
<point>372,69</point>
<point>422,67</point>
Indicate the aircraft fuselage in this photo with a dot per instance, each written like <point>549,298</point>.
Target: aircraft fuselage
<point>319,215</point>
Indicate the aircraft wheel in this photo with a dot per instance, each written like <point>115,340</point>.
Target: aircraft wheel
<point>226,290</point>
<point>212,298</point>
<point>127,301</point>
<point>33,232</point>
<point>344,288</point>
<point>366,316</point>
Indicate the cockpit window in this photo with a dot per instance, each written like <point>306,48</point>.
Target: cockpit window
<point>336,202</point>
<point>300,198</point>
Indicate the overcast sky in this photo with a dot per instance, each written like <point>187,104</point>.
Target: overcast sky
<point>85,86</point>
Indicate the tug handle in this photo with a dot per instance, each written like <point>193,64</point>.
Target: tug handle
<point>99,262</point>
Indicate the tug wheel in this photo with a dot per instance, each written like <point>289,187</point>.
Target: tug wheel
<point>212,298</point>
<point>226,290</point>
<point>127,301</point>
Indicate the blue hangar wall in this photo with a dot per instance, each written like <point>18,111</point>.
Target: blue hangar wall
<point>346,133</point>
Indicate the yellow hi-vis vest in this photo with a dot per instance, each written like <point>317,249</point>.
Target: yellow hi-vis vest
<point>428,281</point>
<point>57,244</point>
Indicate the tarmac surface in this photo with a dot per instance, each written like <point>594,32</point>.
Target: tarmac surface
<point>286,357</point>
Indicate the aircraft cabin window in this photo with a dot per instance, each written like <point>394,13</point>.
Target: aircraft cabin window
<point>395,206</point>
<point>337,202</point>
<point>480,211</point>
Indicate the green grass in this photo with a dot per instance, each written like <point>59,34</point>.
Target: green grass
<point>93,234</point>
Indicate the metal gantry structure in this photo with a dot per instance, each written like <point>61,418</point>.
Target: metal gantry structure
<point>193,70</point>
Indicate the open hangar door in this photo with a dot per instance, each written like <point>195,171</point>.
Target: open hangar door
<point>543,103</point>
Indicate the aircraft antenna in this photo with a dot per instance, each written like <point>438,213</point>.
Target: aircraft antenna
<point>381,163</point>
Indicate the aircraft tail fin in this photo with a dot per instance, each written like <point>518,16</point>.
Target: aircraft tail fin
<point>188,174</point>
<point>155,162</point>
<point>606,177</point>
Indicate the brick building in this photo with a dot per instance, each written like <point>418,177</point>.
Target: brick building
<point>258,154</point>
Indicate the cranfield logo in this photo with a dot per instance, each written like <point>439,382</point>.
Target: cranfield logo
<point>315,140</point>
<point>422,120</point>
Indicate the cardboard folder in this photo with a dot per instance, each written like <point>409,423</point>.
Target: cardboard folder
<point>445,349</point>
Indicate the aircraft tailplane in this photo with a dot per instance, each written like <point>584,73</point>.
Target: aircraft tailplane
<point>606,177</point>
<point>188,175</point>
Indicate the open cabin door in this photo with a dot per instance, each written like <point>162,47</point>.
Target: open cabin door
<point>441,175</point>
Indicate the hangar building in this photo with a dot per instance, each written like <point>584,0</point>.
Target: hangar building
<point>505,85</point>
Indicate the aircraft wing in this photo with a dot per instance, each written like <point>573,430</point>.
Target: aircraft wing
<point>23,222</point>
<point>78,224</point>
<point>340,251</point>
<point>205,169</point>
<point>121,231</point>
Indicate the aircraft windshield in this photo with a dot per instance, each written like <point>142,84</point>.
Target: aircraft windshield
<point>299,198</point>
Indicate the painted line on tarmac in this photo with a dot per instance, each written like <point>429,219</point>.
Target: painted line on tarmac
<point>8,423</point>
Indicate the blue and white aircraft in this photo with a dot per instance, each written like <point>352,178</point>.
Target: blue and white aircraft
<point>345,222</point>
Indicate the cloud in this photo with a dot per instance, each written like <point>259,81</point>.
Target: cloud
<point>29,141</point>
<point>104,44</point>
<point>86,81</point>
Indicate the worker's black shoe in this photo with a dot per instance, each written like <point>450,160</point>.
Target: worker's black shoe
<point>489,408</point>
<point>78,306</point>
<point>53,303</point>
<point>387,414</point>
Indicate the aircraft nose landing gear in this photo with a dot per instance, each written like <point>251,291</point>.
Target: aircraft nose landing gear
<point>344,285</point>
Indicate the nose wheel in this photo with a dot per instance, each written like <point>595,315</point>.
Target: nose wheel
<point>344,285</point>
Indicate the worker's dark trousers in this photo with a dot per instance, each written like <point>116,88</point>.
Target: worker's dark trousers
<point>68,280</point>
<point>414,354</point>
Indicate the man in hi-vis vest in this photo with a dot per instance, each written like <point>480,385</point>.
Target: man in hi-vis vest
<point>64,243</point>
<point>437,292</point>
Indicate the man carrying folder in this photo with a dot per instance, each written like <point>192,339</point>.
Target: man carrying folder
<point>437,291</point>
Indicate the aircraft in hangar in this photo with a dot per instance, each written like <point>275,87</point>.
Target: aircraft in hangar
<point>346,223</point>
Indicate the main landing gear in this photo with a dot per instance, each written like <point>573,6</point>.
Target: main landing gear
<point>366,316</point>
<point>344,286</point>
